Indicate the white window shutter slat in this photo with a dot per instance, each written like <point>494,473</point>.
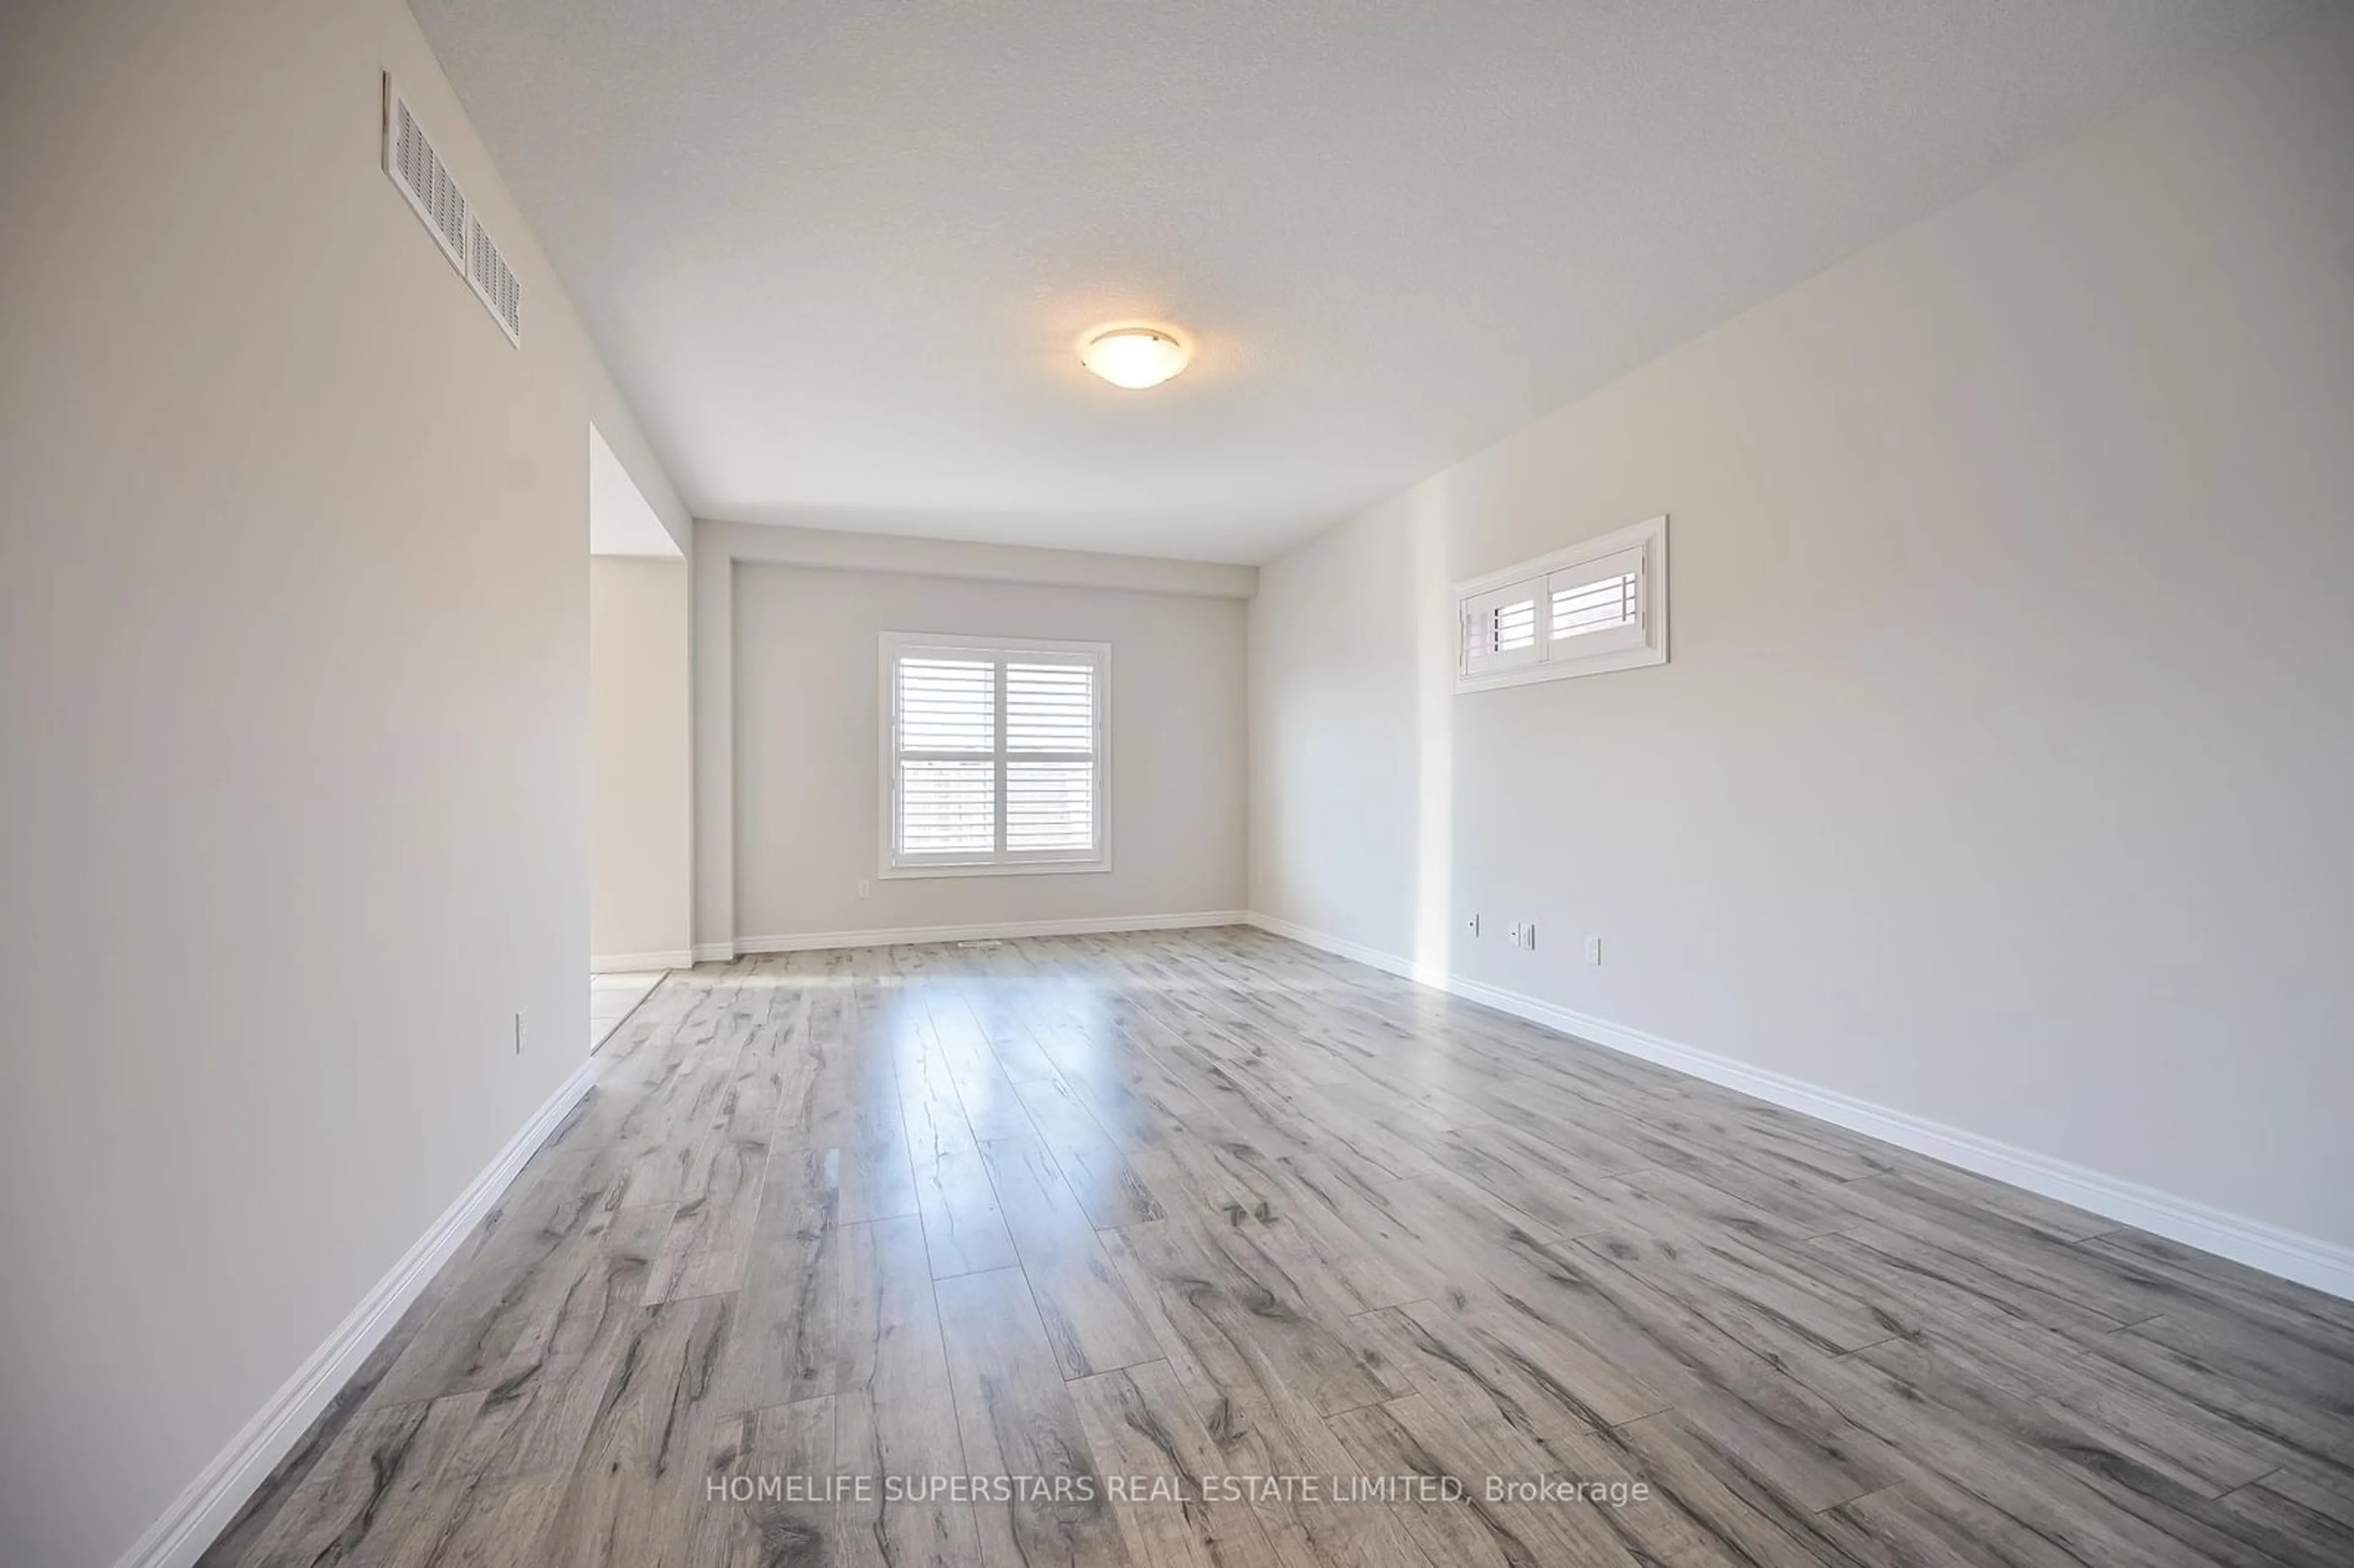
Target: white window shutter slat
<point>947,806</point>
<point>947,704</point>
<point>1049,805</point>
<point>1049,708</point>
<point>1501,627</point>
<point>1596,605</point>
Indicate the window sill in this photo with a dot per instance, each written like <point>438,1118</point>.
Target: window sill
<point>996,868</point>
<point>1561,668</point>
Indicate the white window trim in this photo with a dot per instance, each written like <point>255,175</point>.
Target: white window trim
<point>892,866</point>
<point>1650,536</point>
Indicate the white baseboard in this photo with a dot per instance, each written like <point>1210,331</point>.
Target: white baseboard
<point>214,1498</point>
<point>626,963</point>
<point>1357,952</point>
<point>2283,1253</point>
<point>1091,926</point>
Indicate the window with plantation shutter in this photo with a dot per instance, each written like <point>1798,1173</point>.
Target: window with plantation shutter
<point>948,770</point>
<point>1598,606</point>
<point>1501,628</point>
<point>993,755</point>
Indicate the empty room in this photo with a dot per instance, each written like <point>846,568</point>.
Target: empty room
<point>891,784</point>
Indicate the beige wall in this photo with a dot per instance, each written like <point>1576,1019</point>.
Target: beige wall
<point>2000,773</point>
<point>806,738</point>
<point>642,796</point>
<point>293,669</point>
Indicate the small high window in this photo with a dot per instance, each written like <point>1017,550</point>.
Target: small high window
<point>1598,606</point>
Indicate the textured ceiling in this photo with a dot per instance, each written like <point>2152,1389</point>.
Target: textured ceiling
<point>839,255</point>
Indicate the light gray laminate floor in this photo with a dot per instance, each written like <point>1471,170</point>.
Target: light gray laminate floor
<point>1216,1205</point>
<point>613,997</point>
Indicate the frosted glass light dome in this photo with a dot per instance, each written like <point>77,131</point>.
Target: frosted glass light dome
<point>1135,357</point>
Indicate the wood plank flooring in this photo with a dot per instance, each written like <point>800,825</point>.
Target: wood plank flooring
<point>937,1243</point>
<point>612,997</point>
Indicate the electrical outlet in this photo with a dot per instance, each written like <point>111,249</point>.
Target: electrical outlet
<point>862,887</point>
<point>522,1030</point>
<point>1472,924</point>
<point>1592,949</point>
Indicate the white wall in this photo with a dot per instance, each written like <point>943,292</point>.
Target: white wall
<point>641,799</point>
<point>806,737</point>
<point>295,677</point>
<point>2000,773</point>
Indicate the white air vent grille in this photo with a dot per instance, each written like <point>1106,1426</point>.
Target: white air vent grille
<point>494,282</point>
<point>418,170</point>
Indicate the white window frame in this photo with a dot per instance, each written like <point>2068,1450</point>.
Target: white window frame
<point>1001,861</point>
<point>1643,547</point>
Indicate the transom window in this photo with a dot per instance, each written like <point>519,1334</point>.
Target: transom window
<point>993,755</point>
<point>1591,608</point>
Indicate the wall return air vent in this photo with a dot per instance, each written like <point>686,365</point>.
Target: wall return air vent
<point>417,169</point>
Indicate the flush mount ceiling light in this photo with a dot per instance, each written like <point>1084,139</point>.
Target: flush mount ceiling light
<point>1135,357</point>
